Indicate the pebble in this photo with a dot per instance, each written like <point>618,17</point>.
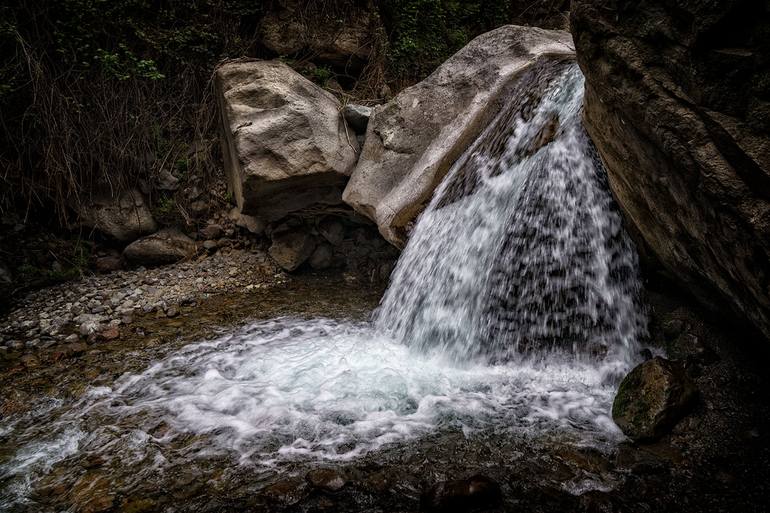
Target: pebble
<point>94,305</point>
<point>326,479</point>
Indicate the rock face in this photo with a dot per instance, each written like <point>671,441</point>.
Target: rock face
<point>413,140</point>
<point>326,479</point>
<point>651,398</point>
<point>124,218</point>
<point>164,247</point>
<point>284,142</point>
<point>678,104</point>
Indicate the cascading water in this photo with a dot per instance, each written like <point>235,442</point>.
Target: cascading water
<point>512,311</point>
<point>520,251</point>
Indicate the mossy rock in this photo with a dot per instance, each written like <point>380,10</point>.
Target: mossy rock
<point>652,398</point>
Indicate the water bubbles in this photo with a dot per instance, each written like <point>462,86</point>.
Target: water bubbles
<point>513,311</point>
<point>521,250</point>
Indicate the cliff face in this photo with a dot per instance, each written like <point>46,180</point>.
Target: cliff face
<point>678,104</point>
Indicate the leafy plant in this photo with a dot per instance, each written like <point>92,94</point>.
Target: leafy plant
<point>423,33</point>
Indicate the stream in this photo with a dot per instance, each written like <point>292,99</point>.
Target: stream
<point>509,320</point>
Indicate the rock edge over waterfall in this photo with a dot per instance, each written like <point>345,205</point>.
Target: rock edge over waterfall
<point>413,140</point>
<point>678,104</point>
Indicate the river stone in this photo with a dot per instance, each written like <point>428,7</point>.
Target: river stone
<point>412,141</point>
<point>326,479</point>
<point>291,249</point>
<point>322,257</point>
<point>165,181</point>
<point>284,142</point>
<point>461,495</point>
<point>211,231</point>
<point>249,223</point>
<point>357,117</point>
<point>332,230</point>
<point>680,114</point>
<point>124,217</point>
<point>6,278</point>
<point>108,263</point>
<point>652,398</point>
<point>163,247</point>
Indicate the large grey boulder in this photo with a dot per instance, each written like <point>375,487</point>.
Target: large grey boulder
<point>163,247</point>
<point>285,144</point>
<point>680,113</point>
<point>412,141</point>
<point>124,217</point>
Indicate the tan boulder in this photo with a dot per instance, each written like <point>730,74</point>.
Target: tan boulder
<point>124,216</point>
<point>412,141</point>
<point>285,144</point>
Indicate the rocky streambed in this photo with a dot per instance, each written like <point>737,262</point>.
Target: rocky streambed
<point>61,450</point>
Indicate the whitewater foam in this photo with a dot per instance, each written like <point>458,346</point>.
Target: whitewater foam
<point>513,311</point>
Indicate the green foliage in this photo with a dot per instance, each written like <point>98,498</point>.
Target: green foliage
<point>321,74</point>
<point>72,262</point>
<point>165,207</point>
<point>423,33</point>
<point>124,65</point>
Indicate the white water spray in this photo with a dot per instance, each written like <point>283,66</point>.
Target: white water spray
<point>512,312</point>
<point>520,252</point>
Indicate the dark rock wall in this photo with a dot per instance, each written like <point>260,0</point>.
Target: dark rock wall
<point>678,104</point>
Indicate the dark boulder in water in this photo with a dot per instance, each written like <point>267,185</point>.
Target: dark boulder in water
<point>470,494</point>
<point>652,398</point>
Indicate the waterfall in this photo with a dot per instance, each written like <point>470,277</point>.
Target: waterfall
<point>511,313</point>
<point>521,250</point>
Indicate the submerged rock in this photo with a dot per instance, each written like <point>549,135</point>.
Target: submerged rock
<point>163,247</point>
<point>326,479</point>
<point>125,217</point>
<point>287,492</point>
<point>412,141</point>
<point>678,104</point>
<point>461,495</point>
<point>652,398</point>
<point>285,145</point>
